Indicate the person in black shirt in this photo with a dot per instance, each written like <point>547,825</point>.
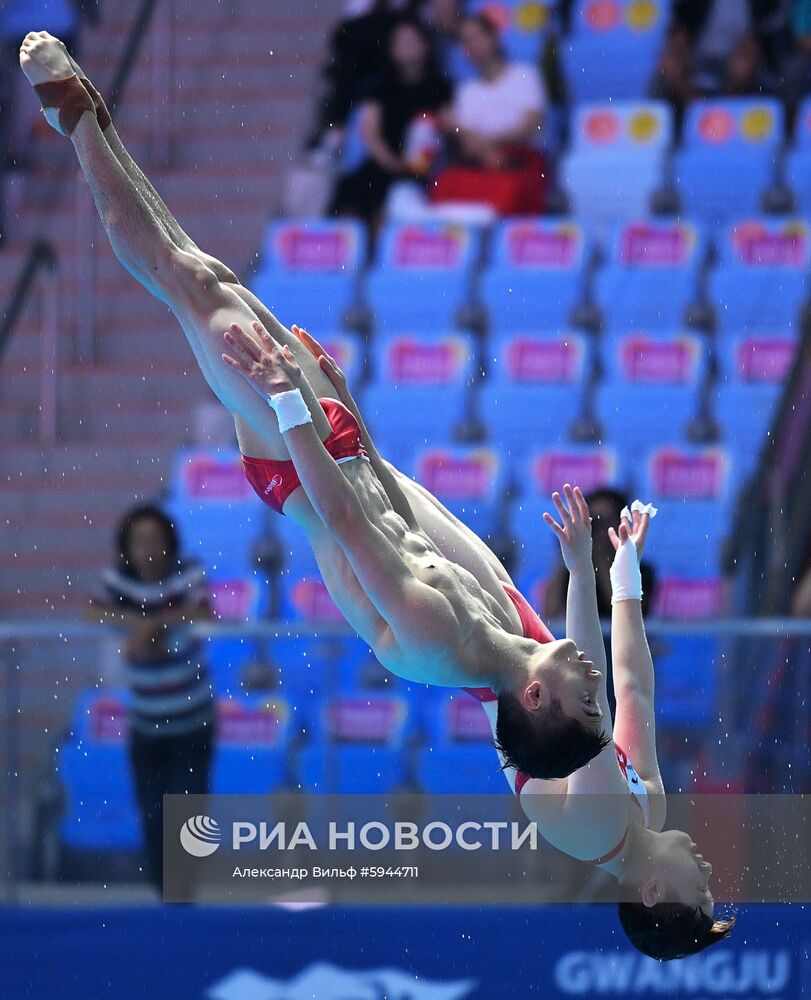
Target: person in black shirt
<point>155,595</point>
<point>410,89</point>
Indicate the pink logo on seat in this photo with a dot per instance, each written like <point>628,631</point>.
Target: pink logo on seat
<point>458,476</point>
<point>689,599</point>
<point>529,359</point>
<point>529,245</point>
<point>239,724</point>
<point>681,475</point>
<point>649,360</point>
<point>588,469</point>
<point>764,359</point>
<point>643,245</point>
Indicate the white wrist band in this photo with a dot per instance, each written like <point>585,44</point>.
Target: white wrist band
<point>290,409</point>
<point>626,577</point>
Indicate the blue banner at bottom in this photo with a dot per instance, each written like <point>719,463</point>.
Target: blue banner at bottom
<point>334,953</point>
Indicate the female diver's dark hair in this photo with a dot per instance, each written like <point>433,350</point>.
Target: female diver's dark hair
<point>671,930</point>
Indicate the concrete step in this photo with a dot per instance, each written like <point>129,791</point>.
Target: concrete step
<point>61,459</point>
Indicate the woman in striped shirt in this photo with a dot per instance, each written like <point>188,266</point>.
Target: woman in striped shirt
<point>155,595</point>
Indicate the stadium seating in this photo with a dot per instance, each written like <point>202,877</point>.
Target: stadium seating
<point>694,487</point>
<point>752,372</point>
<point>651,277</point>
<point>458,757</point>
<point>543,471</point>
<point>798,159</point>
<point>469,480</point>
<point>419,392</point>
<point>616,160</point>
<point>523,28</point>
<point>535,277</point>
<point>309,272</point>
<point>727,162</point>
<point>650,390</point>
<point>686,683</point>
<point>761,285</point>
<point>421,278</point>
<point>95,771</point>
<point>534,389</point>
<point>357,744</point>
<point>613,49</point>
<point>252,751</point>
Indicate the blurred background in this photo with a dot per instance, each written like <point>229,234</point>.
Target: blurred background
<point>547,242</point>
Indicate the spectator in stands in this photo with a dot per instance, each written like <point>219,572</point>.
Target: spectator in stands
<point>358,60</point>
<point>412,94</point>
<point>497,120</point>
<point>155,594</point>
<point>725,47</point>
<point>605,506</point>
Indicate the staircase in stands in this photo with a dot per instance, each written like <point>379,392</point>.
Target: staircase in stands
<point>241,80</point>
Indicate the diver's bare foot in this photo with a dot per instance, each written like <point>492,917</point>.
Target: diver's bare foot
<point>44,58</point>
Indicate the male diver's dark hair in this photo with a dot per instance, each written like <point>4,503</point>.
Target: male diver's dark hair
<point>671,930</point>
<point>545,743</point>
<point>146,512</point>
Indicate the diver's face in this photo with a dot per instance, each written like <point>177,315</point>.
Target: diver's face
<point>563,672</point>
<point>684,875</point>
<point>147,548</point>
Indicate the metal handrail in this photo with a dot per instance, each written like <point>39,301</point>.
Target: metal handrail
<point>41,254</point>
<point>780,628</point>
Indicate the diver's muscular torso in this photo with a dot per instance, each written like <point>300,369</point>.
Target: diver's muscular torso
<point>470,602</point>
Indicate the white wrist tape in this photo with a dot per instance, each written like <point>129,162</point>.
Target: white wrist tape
<point>290,408</point>
<point>626,577</point>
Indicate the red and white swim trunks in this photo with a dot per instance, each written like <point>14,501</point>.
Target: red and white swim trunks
<point>274,480</point>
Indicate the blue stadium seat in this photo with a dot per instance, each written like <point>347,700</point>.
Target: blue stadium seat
<point>613,49</point>
<point>686,681</point>
<point>458,756</point>
<point>96,774</point>
<point>252,746</point>
<point>309,271</point>
<point>468,480</point>
<point>616,160</point>
<point>523,28</point>
<point>651,277</point>
<point>420,391</point>
<point>535,278</point>
<point>728,157</point>
<point>421,278</point>
<point>745,415</point>
<point>215,509</point>
<point>534,389</point>
<point>761,285</point>
<point>357,744</point>
<point>542,472</point>
<point>798,159</point>
<point>694,488</point>
<point>101,812</point>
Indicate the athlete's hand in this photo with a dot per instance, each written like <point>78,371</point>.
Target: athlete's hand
<point>329,366</point>
<point>636,531</point>
<point>269,368</point>
<point>574,531</point>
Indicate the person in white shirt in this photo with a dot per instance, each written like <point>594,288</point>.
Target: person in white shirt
<point>503,108</point>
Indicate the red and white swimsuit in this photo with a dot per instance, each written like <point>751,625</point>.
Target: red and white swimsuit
<point>534,628</point>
